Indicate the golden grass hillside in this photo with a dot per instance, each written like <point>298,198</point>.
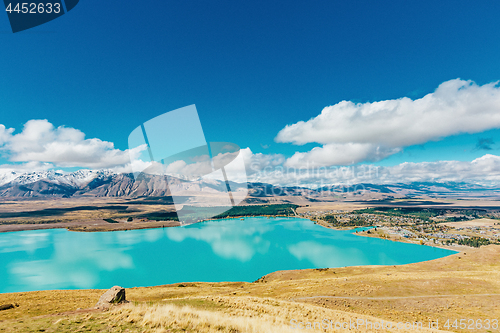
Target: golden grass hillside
<point>250,315</point>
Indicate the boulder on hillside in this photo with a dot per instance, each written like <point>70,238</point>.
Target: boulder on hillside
<point>8,306</point>
<point>115,295</point>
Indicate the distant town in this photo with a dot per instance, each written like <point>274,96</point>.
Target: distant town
<point>470,227</point>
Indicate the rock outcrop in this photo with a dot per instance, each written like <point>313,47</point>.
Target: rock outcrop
<point>8,306</point>
<point>115,295</point>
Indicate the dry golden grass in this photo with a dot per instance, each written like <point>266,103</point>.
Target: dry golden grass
<point>38,303</point>
<point>473,223</point>
<point>171,317</point>
<point>245,315</point>
<point>100,322</point>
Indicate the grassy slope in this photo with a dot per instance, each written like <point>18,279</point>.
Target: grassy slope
<point>438,289</point>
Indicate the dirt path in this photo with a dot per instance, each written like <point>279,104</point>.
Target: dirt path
<point>391,297</point>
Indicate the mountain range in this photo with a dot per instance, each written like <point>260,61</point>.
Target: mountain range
<point>104,183</point>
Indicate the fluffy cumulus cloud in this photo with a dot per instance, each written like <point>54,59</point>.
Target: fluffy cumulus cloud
<point>133,166</point>
<point>484,170</point>
<point>5,134</point>
<point>40,142</point>
<point>340,154</point>
<point>26,167</point>
<point>352,133</point>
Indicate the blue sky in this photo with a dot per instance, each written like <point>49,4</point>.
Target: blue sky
<point>251,68</point>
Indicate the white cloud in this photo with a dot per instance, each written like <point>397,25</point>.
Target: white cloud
<point>353,132</point>
<point>260,162</point>
<point>5,134</point>
<point>133,165</point>
<point>340,154</point>
<point>25,167</point>
<point>484,170</point>
<point>41,142</point>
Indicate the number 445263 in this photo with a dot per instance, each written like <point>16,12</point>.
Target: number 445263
<point>35,8</point>
<point>472,324</point>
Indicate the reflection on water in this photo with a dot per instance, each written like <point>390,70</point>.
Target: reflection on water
<point>224,250</point>
<point>229,240</point>
<point>28,242</point>
<point>65,261</point>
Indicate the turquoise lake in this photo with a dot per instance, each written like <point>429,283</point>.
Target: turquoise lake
<point>222,250</point>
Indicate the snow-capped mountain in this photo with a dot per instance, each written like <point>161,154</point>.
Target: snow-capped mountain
<point>48,183</point>
<point>77,178</point>
<point>98,183</point>
<point>8,176</point>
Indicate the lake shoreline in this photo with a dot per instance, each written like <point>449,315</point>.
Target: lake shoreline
<point>100,225</point>
<point>96,225</point>
<point>91,225</point>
